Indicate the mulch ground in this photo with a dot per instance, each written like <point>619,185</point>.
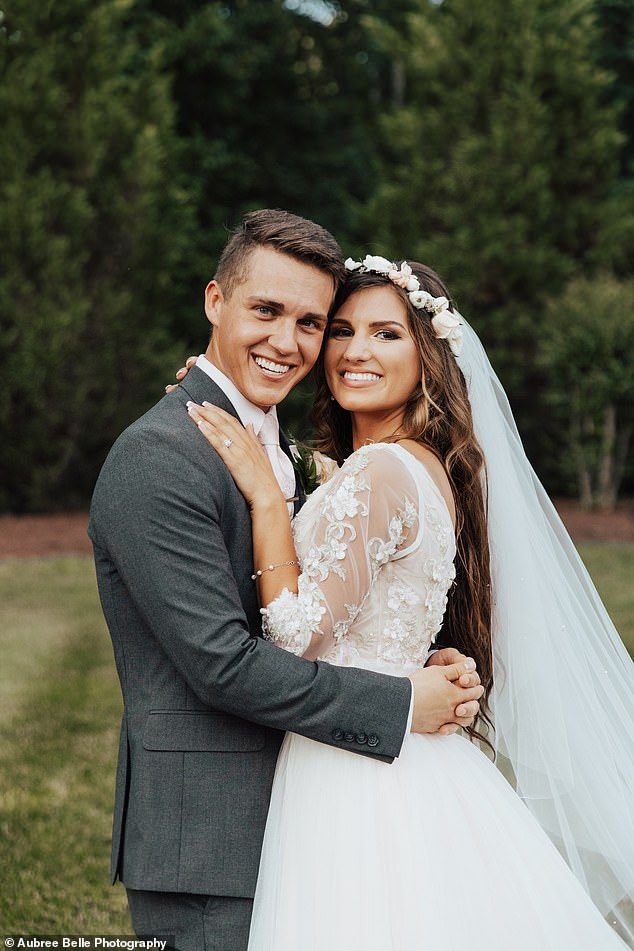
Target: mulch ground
<point>617,526</point>
<point>29,536</point>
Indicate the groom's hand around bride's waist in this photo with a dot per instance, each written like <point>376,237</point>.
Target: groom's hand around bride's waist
<point>446,693</point>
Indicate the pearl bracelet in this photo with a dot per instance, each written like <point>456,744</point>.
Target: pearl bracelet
<point>283,564</point>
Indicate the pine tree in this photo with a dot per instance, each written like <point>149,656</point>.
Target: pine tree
<point>588,350</point>
<point>275,109</point>
<point>93,228</point>
<point>616,53</point>
<point>615,249</point>
<point>497,167</point>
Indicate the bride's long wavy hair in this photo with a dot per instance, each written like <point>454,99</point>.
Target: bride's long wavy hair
<point>438,416</point>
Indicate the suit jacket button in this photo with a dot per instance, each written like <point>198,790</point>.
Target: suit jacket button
<point>373,740</point>
<point>362,738</point>
<point>349,737</point>
<point>337,734</point>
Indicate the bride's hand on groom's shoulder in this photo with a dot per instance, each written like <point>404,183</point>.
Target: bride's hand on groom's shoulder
<point>242,452</point>
<point>181,374</point>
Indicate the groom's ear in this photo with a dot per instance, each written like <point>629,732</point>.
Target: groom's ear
<point>214,299</point>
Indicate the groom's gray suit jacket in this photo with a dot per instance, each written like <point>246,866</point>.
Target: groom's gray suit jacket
<point>206,698</point>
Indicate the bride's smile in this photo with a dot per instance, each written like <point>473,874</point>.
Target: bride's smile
<point>371,361</point>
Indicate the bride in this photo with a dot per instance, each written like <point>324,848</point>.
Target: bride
<point>435,518</point>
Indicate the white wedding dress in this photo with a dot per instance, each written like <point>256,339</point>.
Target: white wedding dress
<point>435,851</point>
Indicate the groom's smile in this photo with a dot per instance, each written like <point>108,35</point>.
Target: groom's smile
<point>270,366</point>
<point>267,333</point>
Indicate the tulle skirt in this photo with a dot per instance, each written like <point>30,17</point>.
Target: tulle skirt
<point>434,852</point>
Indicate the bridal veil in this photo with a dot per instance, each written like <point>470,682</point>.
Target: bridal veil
<point>562,696</point>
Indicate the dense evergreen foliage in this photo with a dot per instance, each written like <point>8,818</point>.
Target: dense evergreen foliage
<point>588,347</point>
<point>490,138</point>
<point>91,230</point>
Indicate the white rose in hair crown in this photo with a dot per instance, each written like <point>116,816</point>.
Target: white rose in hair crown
<point>445,323</point>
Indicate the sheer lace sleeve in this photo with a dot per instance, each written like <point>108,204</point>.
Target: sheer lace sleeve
<point>369,515</point>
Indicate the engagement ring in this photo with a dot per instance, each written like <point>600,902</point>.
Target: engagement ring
<point>228,442</point>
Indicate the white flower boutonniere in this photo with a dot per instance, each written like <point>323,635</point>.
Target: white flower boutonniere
<point>326,467</point>
<point>313,468</point>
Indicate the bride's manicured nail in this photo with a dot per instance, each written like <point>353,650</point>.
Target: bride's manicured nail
<point>205,403</point>
<point>469,664</point>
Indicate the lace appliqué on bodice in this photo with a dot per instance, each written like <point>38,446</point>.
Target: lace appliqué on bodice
<point>291,619</point>
<point>340,507</point>
<point>360,542</point>
<point>405,640</point>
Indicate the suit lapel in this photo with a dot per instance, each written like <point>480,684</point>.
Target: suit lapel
<point>197,386</point>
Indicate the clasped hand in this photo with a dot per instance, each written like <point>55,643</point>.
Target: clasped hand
<point>446,693</point>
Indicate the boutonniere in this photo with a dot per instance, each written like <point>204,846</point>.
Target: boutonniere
<point>313,468</point>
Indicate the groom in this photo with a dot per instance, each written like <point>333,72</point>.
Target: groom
<point>206,698</point>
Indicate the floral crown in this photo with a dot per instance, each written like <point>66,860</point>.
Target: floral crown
<point>445,323</point>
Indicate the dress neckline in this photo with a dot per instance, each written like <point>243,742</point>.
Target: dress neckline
<point>421,465</point>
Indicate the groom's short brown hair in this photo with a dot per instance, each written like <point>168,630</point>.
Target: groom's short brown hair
<point>270,227</point>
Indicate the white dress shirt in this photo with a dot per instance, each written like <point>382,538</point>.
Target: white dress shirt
<point>250,413</point>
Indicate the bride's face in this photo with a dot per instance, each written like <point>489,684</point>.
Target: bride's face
<point>371,360</point>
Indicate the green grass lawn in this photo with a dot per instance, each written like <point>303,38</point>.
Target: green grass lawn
<point>60,705</point>
<point>612,569</point>
<point>59,717</point>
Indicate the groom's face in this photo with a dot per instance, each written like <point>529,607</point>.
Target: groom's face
<point>268,333</point>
